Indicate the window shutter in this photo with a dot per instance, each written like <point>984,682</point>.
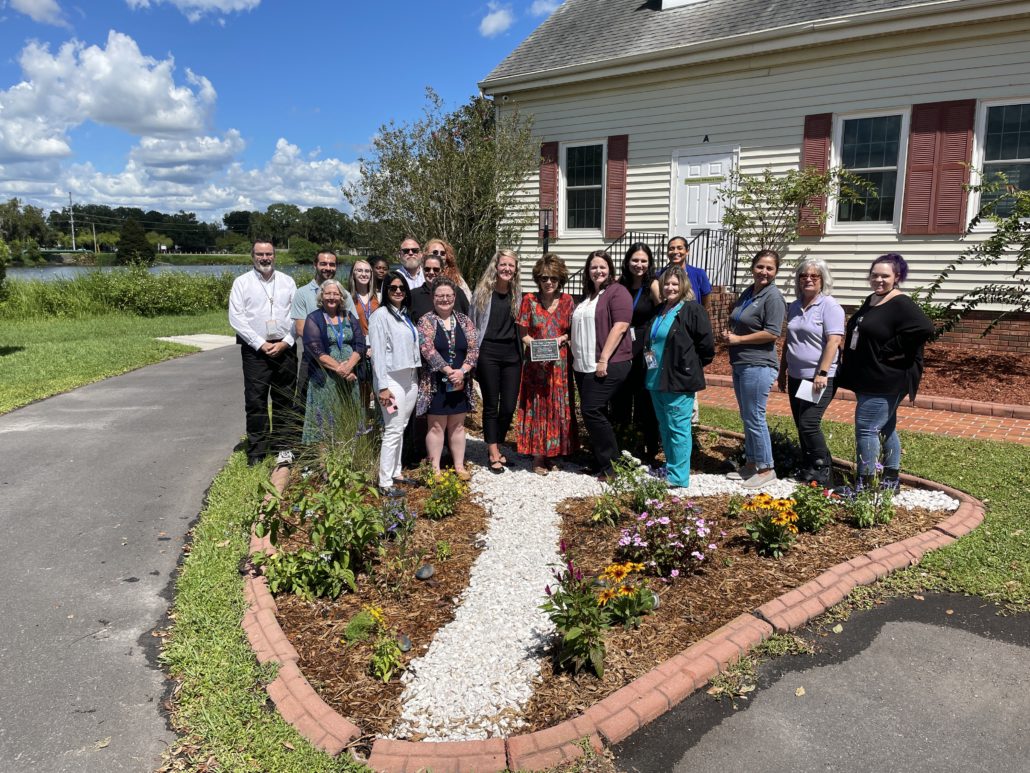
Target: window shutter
<point>615,186</point>
<point>940,147</point>
<point>815,153</point>
<point>549,184</point>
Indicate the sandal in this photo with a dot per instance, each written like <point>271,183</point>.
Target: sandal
<point>497,466</point>
<point>541,470</point>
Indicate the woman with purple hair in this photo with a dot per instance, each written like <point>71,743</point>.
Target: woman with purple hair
<point>882,362</point>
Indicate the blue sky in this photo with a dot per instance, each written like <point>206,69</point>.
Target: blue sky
<point>213,105</point>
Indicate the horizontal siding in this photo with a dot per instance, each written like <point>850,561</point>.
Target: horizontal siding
<point>761,110</point>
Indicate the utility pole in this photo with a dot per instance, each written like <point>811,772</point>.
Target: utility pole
<point>71,212</point>
<point>95,247</point>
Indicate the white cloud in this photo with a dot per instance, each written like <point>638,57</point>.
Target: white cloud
<point>544,7</point>
<point>115,86</point>
<point>497,21</point>
<point>44,11</point>
<point>187,161</point>
<point>195,10</point>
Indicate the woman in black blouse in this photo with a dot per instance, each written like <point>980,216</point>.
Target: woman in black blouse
<point>495,307</point>
<point>631,409</point>
<point>882,362</point>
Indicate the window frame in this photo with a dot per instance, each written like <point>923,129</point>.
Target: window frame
<point>563,202</point>
<point>979,151</point>
<point>835,226</point>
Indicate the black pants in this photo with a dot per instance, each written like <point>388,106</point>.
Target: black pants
<point>632,413</point>
<point>267,377</point>
<point>808,418</point>
<point>594,394</point>
<point>499,373</point>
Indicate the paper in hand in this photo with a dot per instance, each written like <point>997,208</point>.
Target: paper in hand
<point>807,392</point>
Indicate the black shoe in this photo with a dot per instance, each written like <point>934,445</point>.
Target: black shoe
<point>391,491</point>
<point>254,461</point>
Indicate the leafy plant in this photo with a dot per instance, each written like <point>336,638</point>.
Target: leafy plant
<point>814,506</point>
<point>387,657</point>
<point>445,491</point>
<point>869,505</point>
<point>339,522</point>
<point>773,525</point>
<point>606,509</point>
<point>625,597</point>
<point>443,550</point>
<point>398,519</point>
<point>669,538</point>
<point>362,625</point>
<point>579,622</point>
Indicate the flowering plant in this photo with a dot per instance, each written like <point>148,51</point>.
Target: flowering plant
<point>446,489</point>
<point>580,621</point>
<point>773,524</point>
<point>814,506</point>
<point>669,538</point>
<point>625,597</point>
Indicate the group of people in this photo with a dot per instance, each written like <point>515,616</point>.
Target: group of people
<point>633,347</point>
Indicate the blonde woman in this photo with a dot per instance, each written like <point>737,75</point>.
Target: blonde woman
<point>495,309</point>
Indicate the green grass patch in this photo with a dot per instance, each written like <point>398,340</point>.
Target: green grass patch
<point>220,707</point>
<point>993,561</point>
<point>43,357</point>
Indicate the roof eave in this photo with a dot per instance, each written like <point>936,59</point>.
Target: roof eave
<point>821,32</point>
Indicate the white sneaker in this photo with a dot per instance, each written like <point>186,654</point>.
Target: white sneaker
<point>743,473</point>
<point>284,459</point>
<point>760,479</point>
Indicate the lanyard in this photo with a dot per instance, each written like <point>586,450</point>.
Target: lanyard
<point>270,296</point>
<point>636,299</point>
<point>408,322</point>
<point>366,307</point>
<point>338,329</point>
<point>660,318</point>
<point>746,300</point>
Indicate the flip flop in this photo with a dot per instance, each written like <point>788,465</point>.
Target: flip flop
<point>497,466</point>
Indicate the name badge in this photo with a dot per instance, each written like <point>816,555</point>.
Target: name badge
<point>272,329</point>
<point>650,359</point>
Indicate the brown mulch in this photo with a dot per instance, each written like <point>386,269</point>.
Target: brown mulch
<point>339,671</point>
<point>982,376</point>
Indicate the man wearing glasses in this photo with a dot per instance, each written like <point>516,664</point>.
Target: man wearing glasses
<point>259,312</point>
<point>422,297</point>
<point>410,255</point>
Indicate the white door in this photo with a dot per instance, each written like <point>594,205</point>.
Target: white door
<point>698,178</point>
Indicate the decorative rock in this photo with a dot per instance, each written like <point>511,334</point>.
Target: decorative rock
<point>424,572</point>
<point>404,643</point>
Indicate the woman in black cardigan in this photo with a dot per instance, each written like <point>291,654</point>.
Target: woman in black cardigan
<point>679,344</point>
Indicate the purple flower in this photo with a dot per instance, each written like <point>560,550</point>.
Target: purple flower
<point>674,573</point>
<point>547,589</point>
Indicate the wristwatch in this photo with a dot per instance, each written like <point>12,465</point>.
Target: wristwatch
<point>823,373</point>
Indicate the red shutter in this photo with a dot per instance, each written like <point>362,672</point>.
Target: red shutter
<point>940,148</point>
<point>815,153</point>
<point>615,186</point>
<point>549,184</point>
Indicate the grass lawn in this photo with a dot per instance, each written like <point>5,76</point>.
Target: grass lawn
<point>45,356</point>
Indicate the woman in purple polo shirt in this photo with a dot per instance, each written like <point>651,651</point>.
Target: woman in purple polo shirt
<point>602,353</point>
<point>815,331</point>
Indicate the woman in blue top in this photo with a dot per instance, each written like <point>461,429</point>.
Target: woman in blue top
<point>334,345</point>
<point>755,323</point>
<point>679,344</point>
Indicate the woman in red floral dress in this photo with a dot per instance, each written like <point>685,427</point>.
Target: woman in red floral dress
<point>545,423</point>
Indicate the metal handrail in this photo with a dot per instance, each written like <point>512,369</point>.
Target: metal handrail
<point>656,241</point>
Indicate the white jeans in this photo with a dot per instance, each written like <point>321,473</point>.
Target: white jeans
<point>403,384</point>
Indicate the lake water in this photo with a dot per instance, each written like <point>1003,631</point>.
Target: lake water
<point>47,273</point>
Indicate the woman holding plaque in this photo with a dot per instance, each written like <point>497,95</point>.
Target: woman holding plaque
<point>631,409</point>
<point>602,352</point>
<point>677,345</point>
<point>495,306</point>
<point>546,428</point>
<point>449,349</point>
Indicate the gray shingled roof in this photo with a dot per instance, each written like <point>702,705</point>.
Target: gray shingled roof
<point>583,32</point>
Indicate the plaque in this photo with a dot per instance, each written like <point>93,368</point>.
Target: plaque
<point>544,350</point>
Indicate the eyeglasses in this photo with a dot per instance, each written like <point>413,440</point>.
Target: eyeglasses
<point>813,277</point>
<point>443,298</point>
<point>431,270</point>
<point>548,279</point>
<point>437,253</point>
<point>411,250</point>
<point>396,288</point>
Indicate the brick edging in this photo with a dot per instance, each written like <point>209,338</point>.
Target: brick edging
<point>622,713</point>
<point>928,402</point>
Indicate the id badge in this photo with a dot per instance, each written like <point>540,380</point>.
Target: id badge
<point>632,334</point>
<point>650,359</point>
<point>854,339</point>
<point>272,329</point>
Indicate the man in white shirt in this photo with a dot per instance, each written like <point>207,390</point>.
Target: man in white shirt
<point>410,255</point>
<point>259,312</point>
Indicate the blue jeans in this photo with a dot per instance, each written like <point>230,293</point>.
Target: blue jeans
<point>751,385</point>
<point>876,416</point>
<point>674,410</point>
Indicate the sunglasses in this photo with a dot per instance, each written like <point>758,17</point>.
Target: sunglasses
<point>437,253</point>
<point>548,279</point>
<point>396,288</point>
<point>431,270</point>
<point>410,250</point>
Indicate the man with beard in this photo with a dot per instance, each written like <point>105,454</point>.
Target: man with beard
<point>410,255</point>
<point>259,312</point>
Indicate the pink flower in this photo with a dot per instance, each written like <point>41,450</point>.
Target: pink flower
<point>674,573</point>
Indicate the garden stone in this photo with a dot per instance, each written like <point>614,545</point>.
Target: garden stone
<point>424,572</point>
<point>404,643</point>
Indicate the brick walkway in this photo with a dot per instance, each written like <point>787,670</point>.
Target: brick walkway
<point>968,425</point>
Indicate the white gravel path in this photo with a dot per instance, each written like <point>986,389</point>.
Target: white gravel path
<point>478,673</point>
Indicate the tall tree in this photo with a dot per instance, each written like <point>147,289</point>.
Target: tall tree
<point>133,246</point>
<point>283,221</point>
<point>455,176</point>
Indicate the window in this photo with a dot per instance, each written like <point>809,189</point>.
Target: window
<point>583,183</point>
<point>870,148</point>
<point>1006,147</point>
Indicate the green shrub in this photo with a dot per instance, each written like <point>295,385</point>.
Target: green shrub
<point>579,620</point>
<point>445,491</point>
<point>814,506</point>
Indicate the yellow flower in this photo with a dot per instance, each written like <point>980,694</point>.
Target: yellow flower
<point>624,591</point>
<point>606,595</point>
